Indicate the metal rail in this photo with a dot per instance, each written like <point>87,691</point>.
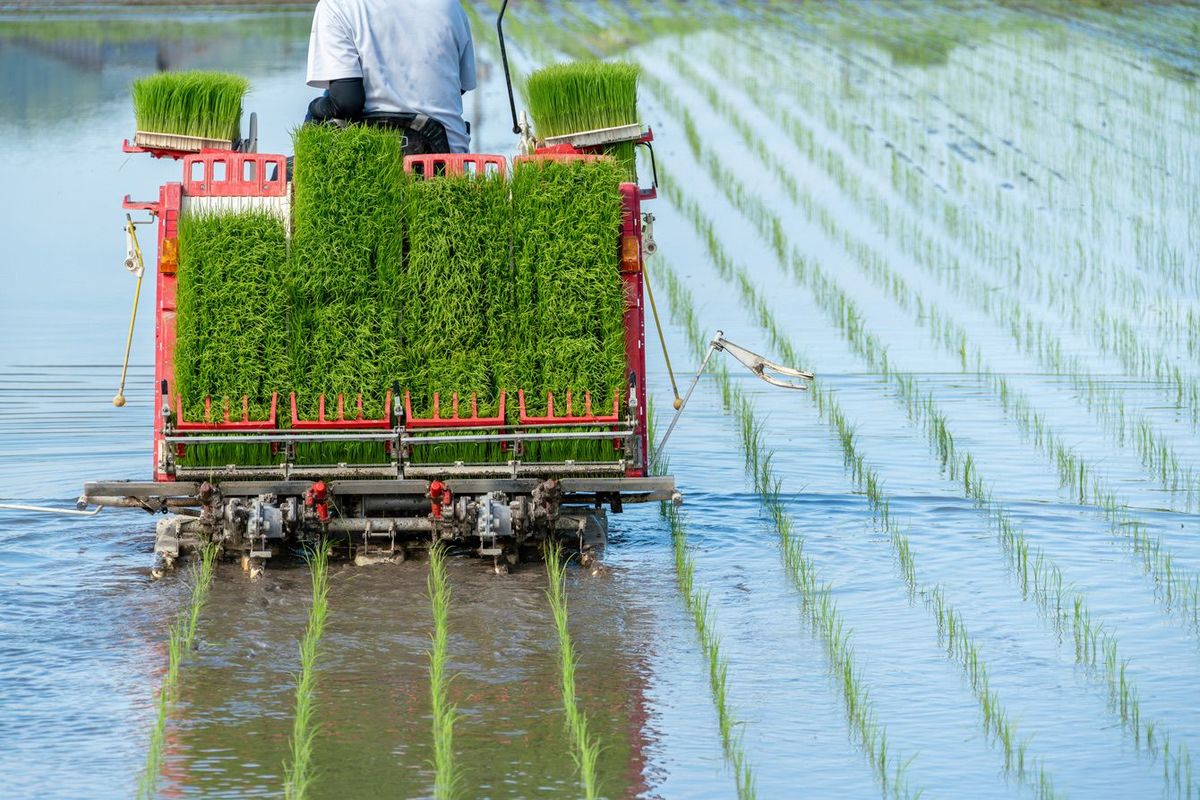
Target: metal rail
<point>391,436</point>
<point>161,496</point>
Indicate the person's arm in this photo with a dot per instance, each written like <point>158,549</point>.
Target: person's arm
<point>466,56</point>
<point>333,64</point>
<point>343,100</point>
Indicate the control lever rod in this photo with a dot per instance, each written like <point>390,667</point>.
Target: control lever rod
<point>133,263</point>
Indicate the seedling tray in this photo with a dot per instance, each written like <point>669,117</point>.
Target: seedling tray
<point>151,140</point>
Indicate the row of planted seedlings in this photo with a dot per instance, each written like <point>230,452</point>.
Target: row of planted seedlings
<point>1112,329</point>
<point>181,639</point>
<point>298,772</point>
<point>986,104</point>
<point>444,713</point>
<point>915,177</point>
<point>1157,454</point>
<point>1178,587</point>
<point>697,602</point>
<point>1037,241</point>
<point>535,34</point>
<point>585,749</point>
<point>1039,578</point>
<point>455,285</point>
<point>1036,570</point>
<point>961,648</point>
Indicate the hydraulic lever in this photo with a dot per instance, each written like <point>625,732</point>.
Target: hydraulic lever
<point>761,367</point>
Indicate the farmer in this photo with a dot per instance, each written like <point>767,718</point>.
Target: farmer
<point>403,64</point>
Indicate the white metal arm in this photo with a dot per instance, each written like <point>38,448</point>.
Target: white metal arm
<point>759,365</point>
<point>747,358</point>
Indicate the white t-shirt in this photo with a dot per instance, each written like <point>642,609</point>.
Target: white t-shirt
<point>413,56</point>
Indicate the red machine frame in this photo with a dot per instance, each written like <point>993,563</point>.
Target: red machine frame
<point>222,173</point>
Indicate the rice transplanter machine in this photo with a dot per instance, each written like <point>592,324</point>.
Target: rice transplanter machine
<point>501,510</point>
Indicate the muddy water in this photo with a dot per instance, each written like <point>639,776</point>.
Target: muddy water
<point>82,636</point>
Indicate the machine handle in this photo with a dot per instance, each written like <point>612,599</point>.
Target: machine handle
<point>652,192</point>
<point>512,102</point>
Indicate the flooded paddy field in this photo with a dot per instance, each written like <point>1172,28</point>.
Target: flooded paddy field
<point>966,563</point>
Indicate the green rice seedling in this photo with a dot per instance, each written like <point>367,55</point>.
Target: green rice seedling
<point>204,104</point>
<point>568,300</point>
<point>951,630</point>
<point>697,603</point>
<point>458,241</point>
<point>181,638</point>
<point>346,265</point>
<point>685,570</point>
<point>1074,473</point>
<point>454,281</point>
<point>231,339</point>
<point>298,774</point>
<point>584,96</point>
<point>440,286</point>
<point>444,713</point>
<point>344,274</point>
<point>585,749</point>
<point>1044,576</point>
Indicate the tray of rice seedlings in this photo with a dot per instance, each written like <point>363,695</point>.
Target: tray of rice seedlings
<point>581,96</point>
<point>189,111</point>
<point>569,299</point>
<point>345,301</point>
<point>230,326</point>
<point>456,280</point>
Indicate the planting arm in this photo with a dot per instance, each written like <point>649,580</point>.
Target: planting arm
<point>751,360</point>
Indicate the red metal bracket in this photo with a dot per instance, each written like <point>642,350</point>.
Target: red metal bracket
<point>470,164</point>
<point>225,173</point>
<point>454,420</point>
<point>226,424</point>
<point>156,152</point>
<point>141,205</point>
<point>570,152</point>
<point>587,418</point>
<point>359,422</point>
<point>559,152</point>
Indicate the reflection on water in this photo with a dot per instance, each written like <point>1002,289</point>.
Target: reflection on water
<point>59,67</point>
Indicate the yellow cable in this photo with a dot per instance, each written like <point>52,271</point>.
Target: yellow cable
<point>666,357</point>
<point>119,400</point>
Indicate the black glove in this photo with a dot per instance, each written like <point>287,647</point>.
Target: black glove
<point>344,99</point>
